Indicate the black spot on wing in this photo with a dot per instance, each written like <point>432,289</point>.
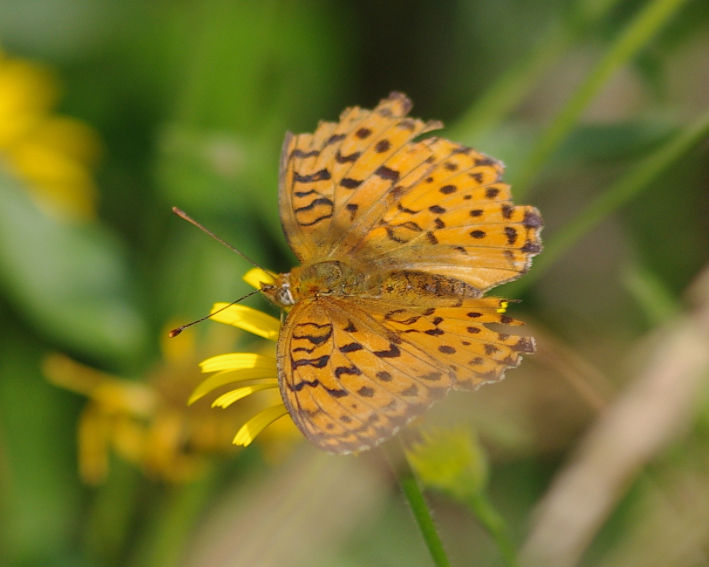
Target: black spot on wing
<point>352,208</point>
<point>298,153</point>
<point>382,146</point>
<point>349,183</point>
<point>392,352</point>
<point>322,175</point>
<point>353,157</point>
<point>531,247</point>
<point>388,174</point>
<point>320,362</point>
<point>366,392</point>
<point>336,392</point>
<point>532,219</point>
<point>335,138</point>
<point>347,370</point>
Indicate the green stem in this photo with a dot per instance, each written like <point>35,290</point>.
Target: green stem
<point>514,85</point>
<point>613,198</point>
<point>412,491</point>
<point>508,91</point>
<point>636,34</point>
<point>495,526</point>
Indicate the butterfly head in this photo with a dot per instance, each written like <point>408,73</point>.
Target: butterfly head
<point>279,292</point>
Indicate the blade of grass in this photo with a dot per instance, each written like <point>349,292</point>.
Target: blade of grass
<point>635,35</point>
<point>515,83</point>
<point>617,195</point>
<point>495,525</point>
<point>511,88</point>
<point>651,294</point>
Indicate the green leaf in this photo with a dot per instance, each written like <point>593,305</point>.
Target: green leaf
<point>68,280</point>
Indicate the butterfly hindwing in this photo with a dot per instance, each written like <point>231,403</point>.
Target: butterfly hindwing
<point>353,372</point>
<point>347,381</point>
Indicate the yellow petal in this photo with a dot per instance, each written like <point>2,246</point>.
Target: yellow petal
<point>248,319</point>
<point>225,400</point>
<point>123,396</point>
<point>229,377</point>
<point>237,361</point>
<point>258,423</point>
<point>94,434</point>
<point>62,371</point>
<point>256,276</point>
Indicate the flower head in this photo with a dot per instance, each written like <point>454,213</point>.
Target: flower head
<point>148,423</point>
<point>250,372</point>
<point>51,154</point>
<point>450,460</point>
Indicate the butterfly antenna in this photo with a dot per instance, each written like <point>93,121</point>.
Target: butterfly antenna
<point>184,215</point>
<point>178,330</point>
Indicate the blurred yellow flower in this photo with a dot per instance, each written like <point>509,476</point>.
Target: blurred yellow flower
<point>53,155</point>
<point>149,423</point>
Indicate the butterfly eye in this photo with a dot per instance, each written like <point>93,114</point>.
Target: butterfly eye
<point>284,296</point>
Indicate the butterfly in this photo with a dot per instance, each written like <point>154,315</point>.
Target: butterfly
<point>398,239</point>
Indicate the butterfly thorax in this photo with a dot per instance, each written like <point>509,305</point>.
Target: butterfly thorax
<point>339,279</point>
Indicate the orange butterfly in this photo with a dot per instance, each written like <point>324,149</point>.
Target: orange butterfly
<point>399,240</point>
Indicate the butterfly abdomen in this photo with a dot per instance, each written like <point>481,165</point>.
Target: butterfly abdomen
<point>419,287</point>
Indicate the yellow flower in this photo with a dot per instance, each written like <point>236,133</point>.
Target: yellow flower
<point>251,371</point>
<point>51,154</point>
<point>148,423</point>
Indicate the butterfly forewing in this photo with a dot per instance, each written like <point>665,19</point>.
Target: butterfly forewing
<point>321,171</point>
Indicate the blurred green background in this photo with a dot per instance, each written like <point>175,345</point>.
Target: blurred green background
<point>599,111</point>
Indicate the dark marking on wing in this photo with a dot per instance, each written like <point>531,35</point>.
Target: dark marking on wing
<point>349,183</point>
<point>322,175</point>
<point>389,174</point>
<point>298,153</point>
<point>353,157</point>
<point>366,392</point>
<point>393,352</point>
<point>350,370</point>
